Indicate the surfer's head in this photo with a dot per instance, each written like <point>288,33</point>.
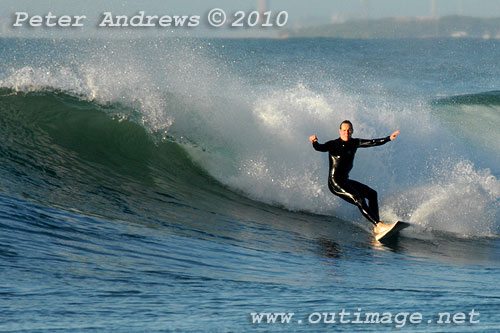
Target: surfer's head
<point>346,130</point>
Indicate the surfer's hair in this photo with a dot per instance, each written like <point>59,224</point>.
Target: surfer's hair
<point>347,122</point>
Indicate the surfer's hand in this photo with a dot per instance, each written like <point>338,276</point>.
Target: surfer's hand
<point>313,138</point>
<point>393,135</point>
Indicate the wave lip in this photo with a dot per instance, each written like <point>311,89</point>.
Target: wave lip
<point>488,98</point>
<point>95,82</point>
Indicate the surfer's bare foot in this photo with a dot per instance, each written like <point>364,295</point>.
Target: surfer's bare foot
<point>381,227</point>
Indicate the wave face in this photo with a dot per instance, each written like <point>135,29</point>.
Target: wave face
<point>473,118</point>
<point>186,117</point>
<point>67,152</point>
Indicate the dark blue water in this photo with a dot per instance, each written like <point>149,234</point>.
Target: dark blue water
<point>169,185</point>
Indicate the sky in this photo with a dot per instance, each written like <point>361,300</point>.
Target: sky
<point>299,12</point>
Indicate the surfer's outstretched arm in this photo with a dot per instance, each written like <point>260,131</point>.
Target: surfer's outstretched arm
<point>318,146</point>
<point>363,143</point>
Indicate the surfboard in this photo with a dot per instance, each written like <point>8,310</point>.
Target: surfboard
<point>392,232</point>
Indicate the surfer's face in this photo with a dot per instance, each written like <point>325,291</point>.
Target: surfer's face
<point>345,132</point>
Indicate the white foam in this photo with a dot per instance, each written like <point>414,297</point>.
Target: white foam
<point>460,199</point>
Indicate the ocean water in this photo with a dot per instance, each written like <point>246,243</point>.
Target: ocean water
<point>169,185</point>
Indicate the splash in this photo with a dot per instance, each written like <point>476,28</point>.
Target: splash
<point>460,199</point>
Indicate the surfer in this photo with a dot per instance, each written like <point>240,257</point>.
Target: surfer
<point>341,153</point>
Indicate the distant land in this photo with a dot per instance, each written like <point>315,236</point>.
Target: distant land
<point>411,27</point>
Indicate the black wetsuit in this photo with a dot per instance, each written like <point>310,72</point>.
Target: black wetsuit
<point>341,157</point>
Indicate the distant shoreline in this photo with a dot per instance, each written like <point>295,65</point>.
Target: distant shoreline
<point>397,28</point>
